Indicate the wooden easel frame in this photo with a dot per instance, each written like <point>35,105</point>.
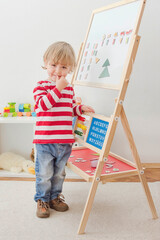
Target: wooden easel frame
<point>113,120</point>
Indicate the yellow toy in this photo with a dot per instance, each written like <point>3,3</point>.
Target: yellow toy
<point>83,127</point>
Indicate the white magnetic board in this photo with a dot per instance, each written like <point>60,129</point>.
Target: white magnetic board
<point>107,43</point>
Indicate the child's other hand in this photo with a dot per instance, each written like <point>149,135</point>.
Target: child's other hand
<point>87,109</point>
<point>61,83</point>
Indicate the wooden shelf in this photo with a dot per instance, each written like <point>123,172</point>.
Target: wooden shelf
<point>23,176</point>
<point>17,119</point>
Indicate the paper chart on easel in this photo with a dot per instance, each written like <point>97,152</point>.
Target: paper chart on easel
<point>107,45</point>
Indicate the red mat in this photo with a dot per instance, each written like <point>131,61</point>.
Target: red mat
<point>81,159</point>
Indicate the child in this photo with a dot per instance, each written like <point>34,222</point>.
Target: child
<point>55,106</point>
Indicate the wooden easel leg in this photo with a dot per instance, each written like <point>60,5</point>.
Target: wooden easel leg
<point>136,157</point>
<point>88,207</point>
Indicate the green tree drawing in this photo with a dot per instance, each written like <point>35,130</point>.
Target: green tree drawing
<point>105,72</point>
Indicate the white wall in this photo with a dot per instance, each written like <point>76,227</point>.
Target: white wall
<point>29,27</point>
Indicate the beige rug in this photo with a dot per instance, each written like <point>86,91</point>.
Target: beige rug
<point>120,212</point>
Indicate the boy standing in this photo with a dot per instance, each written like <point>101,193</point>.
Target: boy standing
<point>55,106</point>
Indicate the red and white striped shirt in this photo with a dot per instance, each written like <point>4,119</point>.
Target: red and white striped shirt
<point>55,111</point>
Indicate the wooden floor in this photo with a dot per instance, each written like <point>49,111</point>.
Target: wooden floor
<point>151,171</point>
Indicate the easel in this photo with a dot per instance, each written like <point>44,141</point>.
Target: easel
<point>119,112</point>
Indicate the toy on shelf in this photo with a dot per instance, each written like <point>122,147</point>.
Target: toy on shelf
<point>10,110</point>
<point>23,110</point>
<point>15,163</point>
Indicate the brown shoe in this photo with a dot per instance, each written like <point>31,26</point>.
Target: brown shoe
<point>59,204</point>
<point>42,209</point>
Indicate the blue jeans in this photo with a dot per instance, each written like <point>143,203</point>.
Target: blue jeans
<point>50,170</point>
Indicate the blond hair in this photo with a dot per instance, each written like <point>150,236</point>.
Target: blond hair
<point>60,52</point>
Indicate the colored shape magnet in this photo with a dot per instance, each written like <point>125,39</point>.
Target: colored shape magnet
<point>97,60</point>
<point>116,169</point>
<point>121,40</point>
<point>127,39</point>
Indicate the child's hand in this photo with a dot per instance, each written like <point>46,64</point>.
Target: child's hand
<point>87,109</point>
<point>61,83</point>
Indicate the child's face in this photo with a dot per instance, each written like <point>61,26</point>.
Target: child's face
<point>56,71</point>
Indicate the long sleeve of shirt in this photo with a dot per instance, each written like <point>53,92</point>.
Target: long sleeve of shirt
<point>46,96</point>
<point>54,111</point>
